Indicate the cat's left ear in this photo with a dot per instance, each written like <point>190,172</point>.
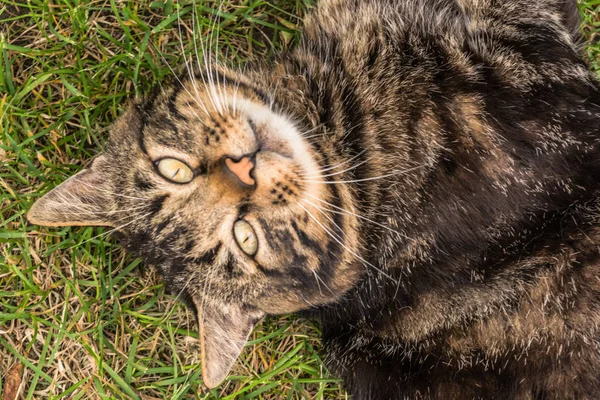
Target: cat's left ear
<point>82,200</point>
<point>224,331</point>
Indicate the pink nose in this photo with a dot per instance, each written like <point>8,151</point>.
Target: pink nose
<point>241,168</point>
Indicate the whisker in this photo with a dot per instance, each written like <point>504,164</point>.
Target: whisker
<point>105,191</point>
<point>214,42</point>
<point>316,135</point>
<point>204,51</point>
<point>338,172</point>
<point>125,210</point>
<point>226,65</point>
<point>319,281</point>
<point>117,228</point>
<point>363,180</point>
<point>344,211</point>
<point>177,78</point>
<point>312,141</point>
<point>325,169</point>
<point>236,88</point>
<point>220,85</point>
<point>333,236</point>
<point>206,57</point>
<point>312,129</point>
<point>187,63</point>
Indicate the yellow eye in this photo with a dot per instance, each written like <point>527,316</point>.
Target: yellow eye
<point>174,170</point>
<point>245,237</point>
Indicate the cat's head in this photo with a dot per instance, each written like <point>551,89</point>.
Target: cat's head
<point>227,199</point>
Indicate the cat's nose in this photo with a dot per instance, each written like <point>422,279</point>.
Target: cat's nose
<point>241,168</point>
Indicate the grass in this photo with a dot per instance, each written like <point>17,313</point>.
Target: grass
<point>79,319</point>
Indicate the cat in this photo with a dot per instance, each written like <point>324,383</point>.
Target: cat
<point>420,177</point>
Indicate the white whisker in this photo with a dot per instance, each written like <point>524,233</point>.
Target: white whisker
<point>316,135</point>
<point>105,191</point>
<point>325,169</point>
<point>312,130</point>
<point>125,210</point>
<point>187,65</point>
<point>319,281</point>
<point>363,180</point>
<point>344,211</point>
<point>338,172</point>
<point>338,240</point>
<point>178,80</point>
<point>220,87</point>
<point>212,42</point>
<point>198,62</point>
<point>116,229</point>
<point>235,95</point>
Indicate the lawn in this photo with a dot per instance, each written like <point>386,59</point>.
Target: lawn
<point>79,319</point>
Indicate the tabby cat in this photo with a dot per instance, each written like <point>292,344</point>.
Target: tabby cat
<point>419,176</point>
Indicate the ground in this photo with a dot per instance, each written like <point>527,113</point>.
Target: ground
<point>79,319</point>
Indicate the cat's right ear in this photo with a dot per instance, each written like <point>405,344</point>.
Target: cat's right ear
<point>82,200</point>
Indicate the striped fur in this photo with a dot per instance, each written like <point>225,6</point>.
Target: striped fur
<point>427,188</point>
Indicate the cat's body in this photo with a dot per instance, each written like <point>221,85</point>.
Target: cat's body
<point>498,292</point>
<point>442,222</point>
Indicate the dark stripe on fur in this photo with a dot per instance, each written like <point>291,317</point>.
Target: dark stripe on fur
<point>209,256</point>
<point>227,80</point>
<point>173,107</point>
<point>156,204</point>
<point>141,183</point>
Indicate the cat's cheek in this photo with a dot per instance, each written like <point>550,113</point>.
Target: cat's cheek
<point>278,181</point>
<point>244,264</point>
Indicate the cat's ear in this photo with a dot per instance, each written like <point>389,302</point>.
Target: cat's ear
<point>224,331</point>
<point>81,200</point>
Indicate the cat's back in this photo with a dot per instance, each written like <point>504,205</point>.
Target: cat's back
<point>492,107</point>
<point>342,17</point>
<point>506,75</point>
<point>507,34</point>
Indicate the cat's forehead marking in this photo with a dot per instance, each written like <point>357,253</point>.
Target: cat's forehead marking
<point>206,136</point>
<point>224,125</point>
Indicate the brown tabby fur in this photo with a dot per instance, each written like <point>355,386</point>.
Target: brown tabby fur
<point>439,217</point>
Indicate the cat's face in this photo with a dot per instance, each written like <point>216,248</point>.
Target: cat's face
<point>226,198</point>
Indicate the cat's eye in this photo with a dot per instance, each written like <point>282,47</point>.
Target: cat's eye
<point>174,170</point>
<point>245,237</point>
